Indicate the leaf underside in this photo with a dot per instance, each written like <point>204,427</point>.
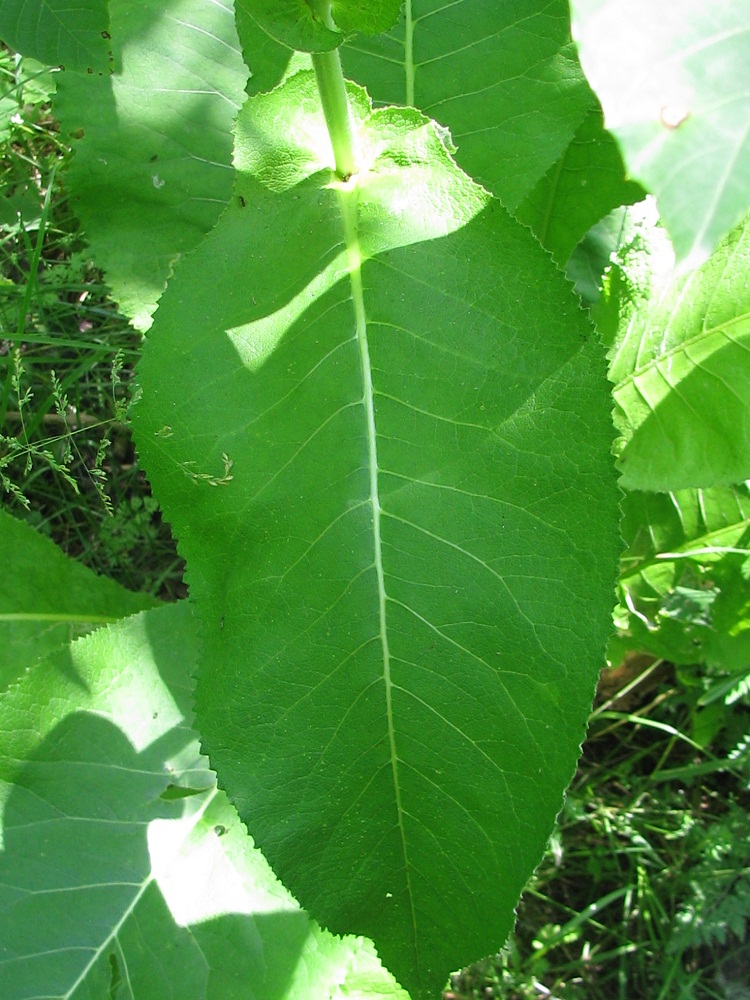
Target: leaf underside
<point>404,575</point>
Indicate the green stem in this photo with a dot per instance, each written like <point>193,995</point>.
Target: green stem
<point>332,89</point>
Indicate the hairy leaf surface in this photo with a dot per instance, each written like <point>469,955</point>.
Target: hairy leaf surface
<point>124,872</point>
<point>47,599</point>
<point>376,419</point>
<point>681,369</point>
<point>151,171</point>
<point>503,78</point>
<point>672,78</point>
<point>58,32</point>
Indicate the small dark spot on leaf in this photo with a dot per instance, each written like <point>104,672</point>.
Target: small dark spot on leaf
<point>90,71</point>
<point>78,134</point>
<point>154,158</point>
<point>172,792</point>
<point>220,830</point>
<point>115,979</point>
<point>106,34</point>
<point>243,203</point>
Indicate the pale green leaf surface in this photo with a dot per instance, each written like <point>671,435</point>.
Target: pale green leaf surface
<point>58,32</point>
<point>681,369</point>
<point>405,576</point>
<point>47,599</point>
<point>108,887</point>
<point>503,78</point>
<point>673,80</point>
<point>151,171</point>
<point>684,583</point>
<point>586,183</point>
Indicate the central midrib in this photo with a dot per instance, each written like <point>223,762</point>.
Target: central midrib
<point>348,199</point>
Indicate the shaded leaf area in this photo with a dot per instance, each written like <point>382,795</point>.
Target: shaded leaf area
<point>672,79</point>
<point>266,58</point>
<point>367,16</point>
<point>504,78</point>
<point>586,183</point>
<point>406,584</point>
<point>152,171</point>
<point>41,611</point>
<point>113,886</point>
<point>681,369</point>
<point>292,24</point>
<point>59,33</point>
<point>684,584</point>
<point>305,26</point>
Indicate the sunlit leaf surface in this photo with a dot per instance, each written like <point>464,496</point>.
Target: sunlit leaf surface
<point>672,78</point>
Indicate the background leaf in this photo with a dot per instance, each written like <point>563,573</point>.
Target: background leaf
<point>681,370</point>
<point>47,599</point>
<point>404,574</point>
<point>58,32</point>
<point>585,184</point>
<point>294,23</point>
<point>672,79</point>
<point>113,885</point>
<point>503,78</point>
<point>684,582</point>
<point>151,171</point>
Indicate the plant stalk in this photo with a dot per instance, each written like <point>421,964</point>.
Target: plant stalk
<point>332,89</point>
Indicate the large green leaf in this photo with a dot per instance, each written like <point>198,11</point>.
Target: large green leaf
<point>586,183</point>
<point>58,32</point>
<point>125,873</point>
<point>47,599</point>
<point>681,368</point>
<point>672,79</point>
<point>377,420</point>
<point>684,584</point>
<point>151,171</point>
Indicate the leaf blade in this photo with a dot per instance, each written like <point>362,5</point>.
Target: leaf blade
<point>671,82</point>
<point>292,569</point>
<point>681,376</point>
<point>504,80</point>
<point>59,34</point>
<point>104,881</point>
